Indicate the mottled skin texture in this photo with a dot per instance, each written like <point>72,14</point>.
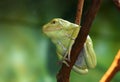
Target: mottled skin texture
<point>63,35</point>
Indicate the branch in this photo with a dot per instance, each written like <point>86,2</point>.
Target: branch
<point>64,72</point>
<point>113,69</point>
<point>79,12</point>
<point>117,3</point>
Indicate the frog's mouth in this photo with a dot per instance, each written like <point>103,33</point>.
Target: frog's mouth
<point>49,29</point>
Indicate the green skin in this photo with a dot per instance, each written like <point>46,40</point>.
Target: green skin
<point>63,35</point>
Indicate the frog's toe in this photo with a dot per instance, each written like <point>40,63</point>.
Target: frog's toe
<point>66,63</point>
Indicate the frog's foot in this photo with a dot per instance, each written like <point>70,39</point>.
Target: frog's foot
<point>66,56</point>
<point>63,61</point>
<point>79,70</point>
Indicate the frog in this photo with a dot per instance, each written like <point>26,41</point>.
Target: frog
<point>63,34</point>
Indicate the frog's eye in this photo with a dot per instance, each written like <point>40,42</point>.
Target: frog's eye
<point>53,22</point>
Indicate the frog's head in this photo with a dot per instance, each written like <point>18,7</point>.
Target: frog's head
<point>56,27</point>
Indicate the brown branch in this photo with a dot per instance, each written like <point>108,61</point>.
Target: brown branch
<point>117,3</point>
<point>113,69</point>
<point>64,72</point>
<point>79,12</point>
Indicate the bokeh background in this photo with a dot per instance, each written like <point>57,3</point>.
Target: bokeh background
<point>27,55</point>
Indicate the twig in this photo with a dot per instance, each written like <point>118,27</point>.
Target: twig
<point>79,12</point>
<point>64,72</point>
<point>113,69</point>
<point>117,3</point>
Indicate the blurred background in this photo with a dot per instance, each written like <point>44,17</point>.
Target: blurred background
<point>27,55</point>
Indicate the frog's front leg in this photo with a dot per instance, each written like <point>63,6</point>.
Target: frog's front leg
<point>66,50</point>
<point>64,54</point>
<point>67,54</point>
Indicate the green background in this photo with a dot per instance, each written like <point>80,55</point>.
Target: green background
<point>27,55</point>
